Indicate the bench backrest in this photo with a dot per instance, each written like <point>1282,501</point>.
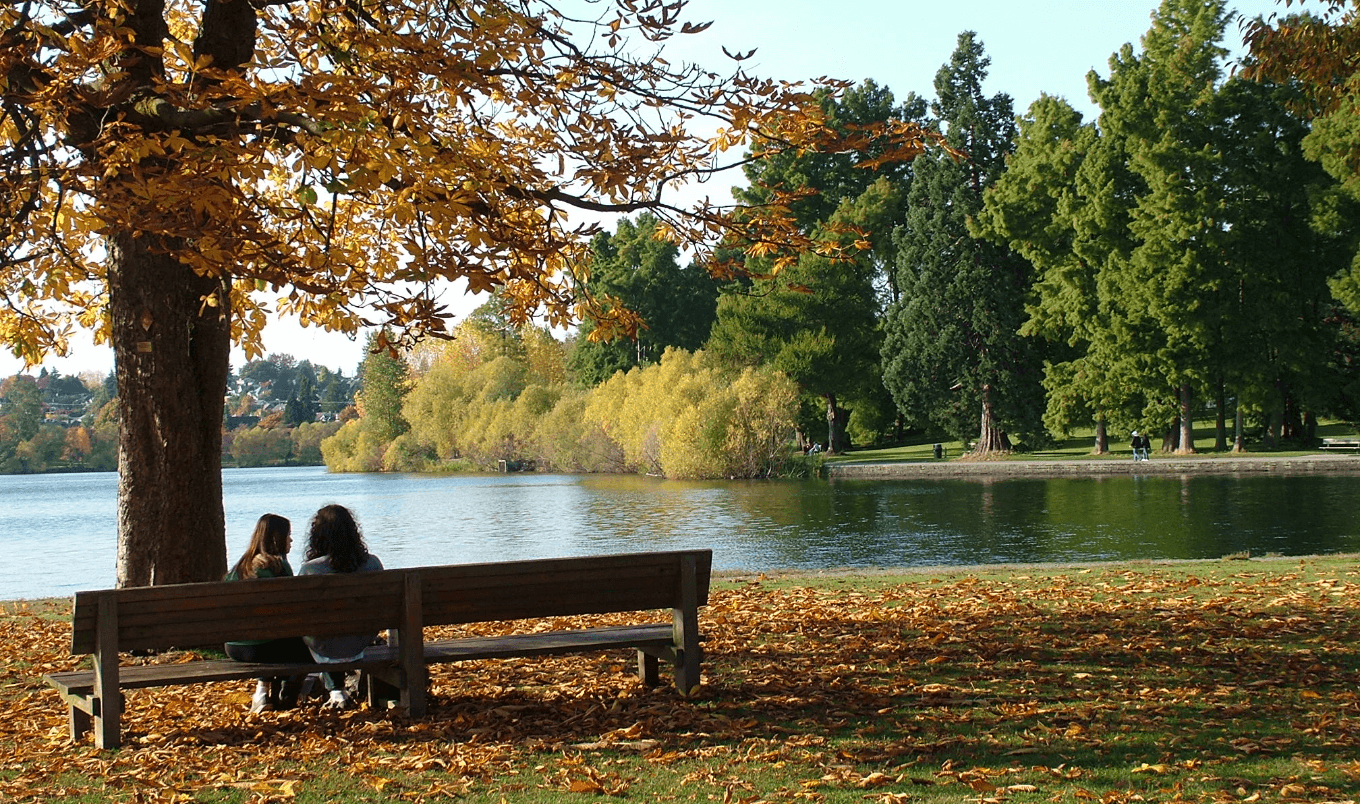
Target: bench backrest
<point>159,617</point>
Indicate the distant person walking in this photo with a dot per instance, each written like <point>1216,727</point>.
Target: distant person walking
<point>1141,445</point>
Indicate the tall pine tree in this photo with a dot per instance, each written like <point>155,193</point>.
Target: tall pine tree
<point>953,353</point>
<point>818,320</point>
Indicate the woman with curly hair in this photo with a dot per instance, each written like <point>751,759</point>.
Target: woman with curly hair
<point>335,544</point>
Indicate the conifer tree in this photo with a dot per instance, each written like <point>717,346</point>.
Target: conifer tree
<point>953,354</point>
<point>818,320</point>
<point>385,378</point>
<point>1173,240</point>
<point>640,269</point>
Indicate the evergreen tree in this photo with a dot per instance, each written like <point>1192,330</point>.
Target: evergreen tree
<point>640,269</point>
<point>817,323</point>
<point>823,181</point>
<point>384,376</point>
<point>1173,241</point>
<point>818,319</point>
<point>953,354</point>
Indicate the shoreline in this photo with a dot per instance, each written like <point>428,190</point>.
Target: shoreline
<point>795,573</point>
<point>1112,467</point>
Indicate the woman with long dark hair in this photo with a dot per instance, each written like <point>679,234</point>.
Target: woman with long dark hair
<point>267,557</point>
<point>335,544</point>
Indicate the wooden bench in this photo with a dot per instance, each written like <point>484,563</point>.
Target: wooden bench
<point>401,601</point>
<point>1341,443</point>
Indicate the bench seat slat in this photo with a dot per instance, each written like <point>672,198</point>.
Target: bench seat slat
<point>547,644</point>
<point>81,682</point>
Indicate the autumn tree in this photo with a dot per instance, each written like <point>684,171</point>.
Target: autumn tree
<point>1314,51</point>
<point>174,171</point>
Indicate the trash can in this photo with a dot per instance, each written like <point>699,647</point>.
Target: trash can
<point>939,451</point>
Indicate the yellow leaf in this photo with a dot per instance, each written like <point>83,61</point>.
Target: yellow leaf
<point>1146,768</point>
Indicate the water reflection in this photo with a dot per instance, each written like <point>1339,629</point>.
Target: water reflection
<point>54,547</point>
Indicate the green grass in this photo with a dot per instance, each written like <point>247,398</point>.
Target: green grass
<point>1078,446</point>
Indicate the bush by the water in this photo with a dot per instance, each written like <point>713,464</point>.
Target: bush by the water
<point>485,398</point>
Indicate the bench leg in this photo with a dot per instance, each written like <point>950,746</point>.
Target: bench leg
<point>79,722</point>
<point>411,649</point>
<point>649,668</point>
<point>107,721</point>
<point>379,690</point>
<point>108,703</point>
<point>687,670</point>
<point>685,619</point>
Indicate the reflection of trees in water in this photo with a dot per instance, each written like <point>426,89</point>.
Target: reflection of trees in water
<point>1031,520</point>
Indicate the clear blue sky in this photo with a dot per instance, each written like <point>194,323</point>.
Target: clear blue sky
<point>1035,46</point>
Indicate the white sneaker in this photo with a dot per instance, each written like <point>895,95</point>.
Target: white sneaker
<point>338,700</point>
<point>259,702</point>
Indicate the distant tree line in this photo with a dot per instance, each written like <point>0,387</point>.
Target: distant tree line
<point>1191,253</point>
<point>278,413</point>
<point>278,410</point>
<point>52,422</point>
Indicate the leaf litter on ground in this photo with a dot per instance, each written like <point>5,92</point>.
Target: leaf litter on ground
<point>1106,684</point>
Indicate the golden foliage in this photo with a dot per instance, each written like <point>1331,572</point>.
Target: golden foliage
<point>1314,51</point>
<point>344,161</point>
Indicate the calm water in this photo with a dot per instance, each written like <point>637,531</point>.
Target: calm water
<point>57,532</point>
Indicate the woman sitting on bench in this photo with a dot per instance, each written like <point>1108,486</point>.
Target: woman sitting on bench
<point>335,544</point>
<point>267,557</point>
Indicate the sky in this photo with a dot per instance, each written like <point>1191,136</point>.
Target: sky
<point>1035,46</point>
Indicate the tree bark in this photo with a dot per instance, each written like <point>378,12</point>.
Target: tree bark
<point>1239,437</point>
<point>836,420</point>
<point>991,438</point>
<point>1102,445</point>
<point>1187,439</point>
<point>171,342</point>
<point>1221,421</point>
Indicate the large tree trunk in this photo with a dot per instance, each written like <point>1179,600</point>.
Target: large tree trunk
<point>1187,439</point>
<point>836,420</point>
<point>171,342</point>
<point>991,438</point>
<point>1221,421</point>
<point>1102,445</point>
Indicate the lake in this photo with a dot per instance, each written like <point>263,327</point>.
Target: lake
<point>59,530</point>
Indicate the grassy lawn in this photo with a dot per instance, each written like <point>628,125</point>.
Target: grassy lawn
<point>1219,681</point>
<point>1078,447</point>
